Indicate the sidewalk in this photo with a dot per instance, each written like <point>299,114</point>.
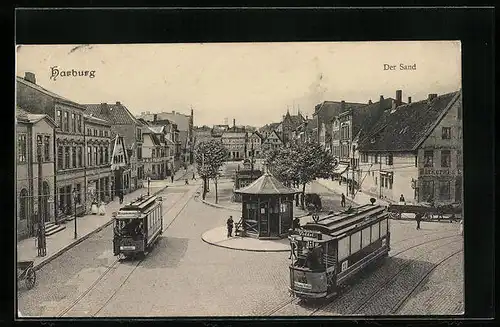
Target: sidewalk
<point>218,237</point>
<point>360,198</point>
<point>62,241</point>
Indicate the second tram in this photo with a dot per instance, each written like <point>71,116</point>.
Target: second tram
<point>137,226</point>
<point>329,252</point>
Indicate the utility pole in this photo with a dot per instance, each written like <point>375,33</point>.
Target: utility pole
<point>380,176</point>
<point>42,248</point>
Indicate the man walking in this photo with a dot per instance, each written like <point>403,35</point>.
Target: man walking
<point>418,218</point>
<point>121,197</point>
<point>342,201</point>
<point>194,178</point>
<point>172,177</point>
<point>230,226</point>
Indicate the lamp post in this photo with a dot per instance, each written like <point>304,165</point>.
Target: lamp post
<point>149,181</point>
<point>74,202</point>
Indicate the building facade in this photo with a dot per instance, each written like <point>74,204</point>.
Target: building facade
<point>415,150</point>
<point>271,142</point>
<point>98,175</point>
<point>236,144</point>
<point>69,143</point>
<point>289,124</point>
<point>35,135</point>
<point>254,146</point>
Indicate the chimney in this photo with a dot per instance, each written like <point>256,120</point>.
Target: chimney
<point>370,101</point>
<point>381,98</point>
<point>155,117</point>
<point>342,105</point>
<point>30,77</point>
<point>173,112</point>
<point>432,96</point>
<point>104,109</point>
<point>409,100</point>
<point>399,97</point>
<point>234,123</point>
<point>118,103</point>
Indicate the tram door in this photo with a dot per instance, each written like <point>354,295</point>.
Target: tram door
<point>264,219</point>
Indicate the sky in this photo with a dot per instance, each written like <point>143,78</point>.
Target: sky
<point>253,83</point>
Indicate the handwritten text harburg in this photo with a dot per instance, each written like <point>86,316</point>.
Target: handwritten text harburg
<point>56,72</point>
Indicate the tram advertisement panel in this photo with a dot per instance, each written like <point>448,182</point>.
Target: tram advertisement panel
<point>308,282</point>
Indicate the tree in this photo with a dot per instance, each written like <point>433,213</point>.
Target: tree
<point>301,163</point>
<point>209,156</point>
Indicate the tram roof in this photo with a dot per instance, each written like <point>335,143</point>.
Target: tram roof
<point>341,222</point>
<point>140,203</point>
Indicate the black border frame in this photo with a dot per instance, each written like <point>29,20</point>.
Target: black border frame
<point>473,26</point>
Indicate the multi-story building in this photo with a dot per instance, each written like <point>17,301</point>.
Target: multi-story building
<point>202,134</point>
<point>415,150</point>
<point>154,156</point>
<point>69,143</point>
<point>254,144</point>
<point>289,124</point>
<point>236,144</point>
<point>184,125</point>
<point>305,132</point>
<point>127,129</point>
<point>98,175</point>
<point>272,142</point>
<point>347,128</point>
<point>35,134</point>
<point>268,129</point>
<point>323,117</point>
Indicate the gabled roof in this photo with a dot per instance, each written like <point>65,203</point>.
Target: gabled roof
<point>329,109</point>
<point>363,118</point>
<point>92,118</point>
<point>27,117</point>
<point>275,133</point>
<point>181,120</point>
<point>154,138</point>
<point>47,92</point>
<point>258,134</point>
<point>266,184</point>
<point>158,129</point>
<point>269,127</point>
<point>231,134</point>
<point>294,119</point>
<point>116,114</point>
<point>406,127</point>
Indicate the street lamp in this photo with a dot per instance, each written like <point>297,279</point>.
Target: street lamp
<point>149,181</point>
<point>74,201</point>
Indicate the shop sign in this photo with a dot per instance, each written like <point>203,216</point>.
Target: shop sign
<point>435,172</point>
<point>309,233</point>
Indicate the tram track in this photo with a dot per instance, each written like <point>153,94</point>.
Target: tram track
<point>343,292</point>
<point>115,264</point>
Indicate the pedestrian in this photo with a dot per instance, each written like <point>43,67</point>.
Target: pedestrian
<point>418,218</point>
<point>402,199</point>
<point>230,223</point>
<point>296,223</point>
<point>121,197</point>
<point>342,200</point>
<point>293,246</point>
<point>194,178</point>
<point>172,178</point>
<point>186,182</point>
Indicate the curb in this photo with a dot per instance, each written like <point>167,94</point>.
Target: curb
<point>237,249</point>
<point>78,241</point>
<point>218,206</point>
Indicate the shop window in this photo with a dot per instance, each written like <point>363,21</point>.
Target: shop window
<point>445,158</point>
<point>446,133</point>
<point>429,158</point>
<point>428,190</point>
<point>444,190</point>
<point>23,204</point>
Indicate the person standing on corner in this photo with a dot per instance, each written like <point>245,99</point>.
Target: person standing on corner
<point>418,218</point>
<point>172,178</point>
<point>342,201</point>
<point>230,223</point>
<point>121,197</point>
<point>194,178</point>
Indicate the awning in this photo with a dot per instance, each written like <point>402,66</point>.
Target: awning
<point>340,169</point>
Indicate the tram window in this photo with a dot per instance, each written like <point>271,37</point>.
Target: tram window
<point>375,232</point>
<point>355,242</point>
<point>383,227</point>
<point>365,237</point>
<point>343,248</point>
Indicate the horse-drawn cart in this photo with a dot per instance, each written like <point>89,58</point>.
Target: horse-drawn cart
<point>26,271</point>
<point>427,211</point>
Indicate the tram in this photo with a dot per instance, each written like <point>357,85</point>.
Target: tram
<point>137,226</point>
<point>332,250</point>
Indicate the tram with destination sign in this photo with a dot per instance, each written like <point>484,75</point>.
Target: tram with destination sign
<point>330,251</point>
<point>137,226</point>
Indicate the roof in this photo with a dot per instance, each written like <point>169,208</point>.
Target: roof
<point>329,109</point>
<point>407,126</point>
<point>231,134</point>
<point>296,120</point>
<point>181,120</point>
<point>275,133</point>
<point>27,117</point>
<point>269,127</point>
<point>154,138</point>
<point>158,129</point>
<point>92,118</point>
<point>47,92</point>
<point>266,184</point>
<point>363,118</point>
<point>116,114</point>
<point>256,133</point>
